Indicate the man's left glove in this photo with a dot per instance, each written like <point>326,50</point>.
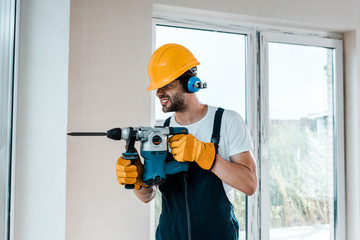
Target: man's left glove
<point>130,174</point>
<point>186,148</point>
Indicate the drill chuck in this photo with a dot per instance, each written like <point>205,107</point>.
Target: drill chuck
<point>114,134</point>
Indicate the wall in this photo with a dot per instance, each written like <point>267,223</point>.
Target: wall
<point>333,15</point>
<point>352,139</point>
<point>110,44</point>
<point>40,163</point>
<point>352,122</point>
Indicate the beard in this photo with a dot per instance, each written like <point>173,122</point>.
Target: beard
<point>177,103</point>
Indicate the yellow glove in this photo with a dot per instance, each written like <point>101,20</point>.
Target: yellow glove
<point>186,148</point>
<point>130,174</point>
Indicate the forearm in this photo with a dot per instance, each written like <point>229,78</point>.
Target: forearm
<point>237,175</point>
<point>146,194</point>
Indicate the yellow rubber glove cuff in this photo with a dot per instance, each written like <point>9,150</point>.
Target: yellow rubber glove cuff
<point>130,174</point>
<point>186,148</point>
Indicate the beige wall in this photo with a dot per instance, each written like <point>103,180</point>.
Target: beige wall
<point>110,44</point>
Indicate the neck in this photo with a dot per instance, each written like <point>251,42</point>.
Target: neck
<point>193,113</point>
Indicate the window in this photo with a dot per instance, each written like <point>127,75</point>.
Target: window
<point>302,148</point>
<point>288,87</point>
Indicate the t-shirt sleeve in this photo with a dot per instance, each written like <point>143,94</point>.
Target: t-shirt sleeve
<point>238,139</point>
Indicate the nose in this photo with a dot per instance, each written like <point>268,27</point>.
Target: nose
<point>159,92</point>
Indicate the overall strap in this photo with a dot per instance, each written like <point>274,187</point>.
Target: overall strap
<point>167,122</point>
<point>215,138</point>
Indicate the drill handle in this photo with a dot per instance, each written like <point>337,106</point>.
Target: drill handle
<point>131,153</point>
<point>132,156</point>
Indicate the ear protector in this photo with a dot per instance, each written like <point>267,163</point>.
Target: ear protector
<point>194,85</point>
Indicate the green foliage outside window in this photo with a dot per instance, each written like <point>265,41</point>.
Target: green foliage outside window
<point>301,173</point>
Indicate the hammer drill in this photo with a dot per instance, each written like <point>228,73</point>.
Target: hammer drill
<point>153,148</point>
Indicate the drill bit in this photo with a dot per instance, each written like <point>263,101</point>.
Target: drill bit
<point>87,134</point>
<point>114,134</point>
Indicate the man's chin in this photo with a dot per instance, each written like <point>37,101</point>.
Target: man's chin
<point>166,110</point>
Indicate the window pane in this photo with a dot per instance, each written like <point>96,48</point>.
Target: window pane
<point>222,66</point>
<point>301,142</point>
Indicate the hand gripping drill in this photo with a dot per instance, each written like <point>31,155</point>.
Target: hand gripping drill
<point>153,148</point>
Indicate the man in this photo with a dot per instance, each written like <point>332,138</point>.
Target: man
<point>195,204</point>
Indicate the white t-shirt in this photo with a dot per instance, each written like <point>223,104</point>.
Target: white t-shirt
<point>234,137</point>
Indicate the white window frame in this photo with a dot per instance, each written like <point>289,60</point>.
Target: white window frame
<point>257,37</point>
<point>338,99</point>
<point>8,30</point>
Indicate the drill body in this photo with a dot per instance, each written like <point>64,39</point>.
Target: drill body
<point>153,148</point>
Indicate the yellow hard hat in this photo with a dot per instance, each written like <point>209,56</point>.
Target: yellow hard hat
<point>168,63</point>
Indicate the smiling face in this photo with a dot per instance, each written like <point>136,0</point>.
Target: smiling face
<point>172,97</point>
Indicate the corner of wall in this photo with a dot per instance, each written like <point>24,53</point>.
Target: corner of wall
<point>352,111</point>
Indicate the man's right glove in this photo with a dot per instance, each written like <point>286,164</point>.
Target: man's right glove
<point>186,148</point>
<point>130,174</point>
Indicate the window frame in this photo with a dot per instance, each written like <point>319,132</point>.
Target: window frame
<point>8,29</point>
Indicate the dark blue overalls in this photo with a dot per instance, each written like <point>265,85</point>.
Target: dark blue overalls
<point>194,203</point>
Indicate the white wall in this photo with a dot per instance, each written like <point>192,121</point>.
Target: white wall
<point>352,139</point>
<point>338,15</point>
<point>110,44</point>
<point>352,124</point>
<point>40,164</point>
